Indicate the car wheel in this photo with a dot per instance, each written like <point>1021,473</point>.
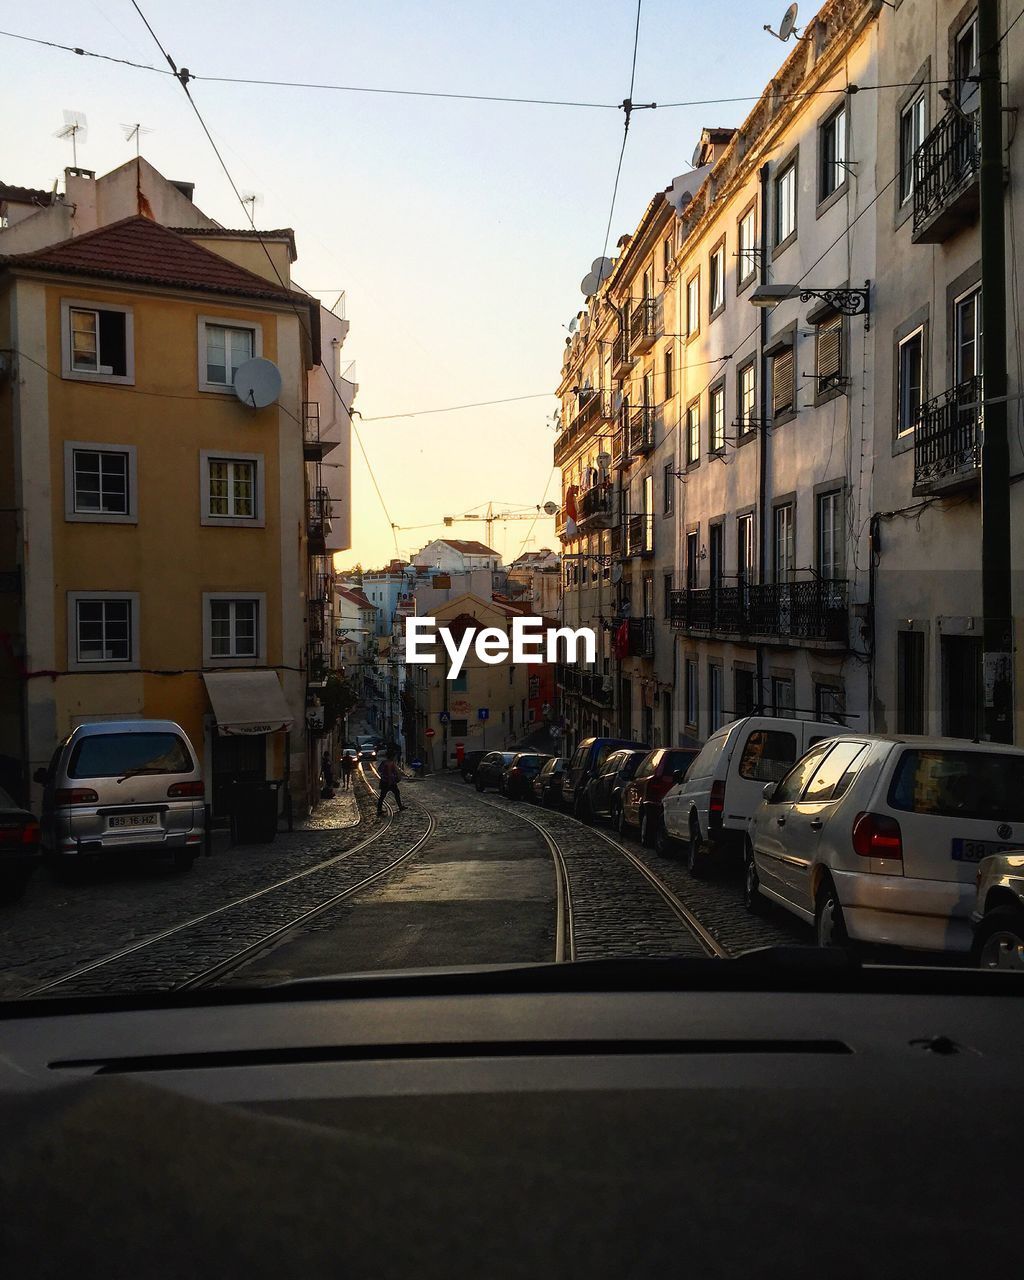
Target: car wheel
<point>696,855</point>
<point>648,828</point>
<point>663,842</point>
<point>829,925</point>
<point>752,899</point>
<point>581,810</point>
<point>479,785</point>
<point>184,861</point>
<point>619,820</point>
<point>999,939</point>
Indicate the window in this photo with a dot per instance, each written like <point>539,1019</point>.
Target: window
<point>692,558</point>
<point>112,754</point>
<point>716,554</point>
<point>745,548</point>
<point>97,342</point>
<point>716,280</point>
<point>667,481</point>
<point>968,336</point>
<point>829,701</point>
<point>912,120</point>
<point>744,698</point>
<point>965,65</point>
<point>667,587</point>
<point>833,776</point>
<point>669,389</point>
<point>231,491</point>
<point>830,534</point>
<point>784,562</point>
<point>910,682</point>
<point>666,255</point>
<point>99,483</point>
<point>828,354</point>
<point>716,417</point>
<point>832,154</point>
<point>746,247</point>
<point>909,381</point>
<point>693,306</point>
<point>461,683</point>
<point>783,703</point>
<point>767,755</point>
<point>983,786</point>
<point>693,434</point>
<point>224,346</point>
<point>104,630</point>
<point>459,728</point>
<point>714,697</point>
<point>234,627</point>
<point>692,692</point>
<point>746,396</point>
<point>648,510</point>
<point>785,204</point>
<point>783,382</point>
<point>791,788</point>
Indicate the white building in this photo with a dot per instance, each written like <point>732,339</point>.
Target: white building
<point>456,555</point>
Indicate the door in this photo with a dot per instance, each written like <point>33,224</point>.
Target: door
<point>961,687</point>
<point>811,813</point>
<point>778,864</point>
<point>241,758</point>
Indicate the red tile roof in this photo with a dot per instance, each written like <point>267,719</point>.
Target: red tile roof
<point>356,596</point>
<point>140,250</point>
<point>469,548</point>
<point>247,233</point>
<point>25,195</point>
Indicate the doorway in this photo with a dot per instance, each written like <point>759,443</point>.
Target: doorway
<point>961,687</point>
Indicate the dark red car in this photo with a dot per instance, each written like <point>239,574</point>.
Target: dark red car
<point>641,798</point>
<point>19,847</point>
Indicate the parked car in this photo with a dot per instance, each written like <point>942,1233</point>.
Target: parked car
<point>709,810</point>
<point>19,847</point>
<point>877,838</point>
<point>469,763</point>
<point>659,771</point>
<point>123,786</point>
<point>517,776</point>
<point>604,790</point>
<point>585,763</point>
<point>998,915</point>
<point>547,786</point>
<point>489,770</point>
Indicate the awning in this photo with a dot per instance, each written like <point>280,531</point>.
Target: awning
<point>247,702</point>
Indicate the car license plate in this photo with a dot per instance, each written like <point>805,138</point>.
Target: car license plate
<point>133,820</point>
<point>975,850</point>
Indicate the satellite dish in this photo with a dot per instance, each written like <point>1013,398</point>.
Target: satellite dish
<point>258,383</point>
<point>550,508</point>
<point>602,267</point>
<point>698,154</point>
<point>788,24</point>
<point>600,270</point>
<point>617,574</point>
<point>572,325</point>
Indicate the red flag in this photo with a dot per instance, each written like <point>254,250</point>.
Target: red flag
<point>570,510</point>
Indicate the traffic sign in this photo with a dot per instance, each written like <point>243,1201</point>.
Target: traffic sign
<point>445,717</point>
<point>483,713</point>
<point>429,733</point>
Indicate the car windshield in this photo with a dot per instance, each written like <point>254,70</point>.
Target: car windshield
<point>663,422</point>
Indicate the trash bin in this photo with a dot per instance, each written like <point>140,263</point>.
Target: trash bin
<point>254,809</point>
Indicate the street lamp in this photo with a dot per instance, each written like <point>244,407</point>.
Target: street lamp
<point>849,302</point>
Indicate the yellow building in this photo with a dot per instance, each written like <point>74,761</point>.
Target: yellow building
<point>156,537</point>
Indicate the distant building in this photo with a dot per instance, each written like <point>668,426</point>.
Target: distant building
<point>456,555</point>
<point>535,581</point>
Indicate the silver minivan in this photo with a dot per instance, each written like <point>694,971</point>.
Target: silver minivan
<point>123,786</point>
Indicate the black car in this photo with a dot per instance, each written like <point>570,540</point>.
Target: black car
<point>489,770</point>
<point>586,763</point>
<point>517,777</point>
<point>547,785</point>
<point>604,792</point>
<point>469,763</point>
<point>19,847</point>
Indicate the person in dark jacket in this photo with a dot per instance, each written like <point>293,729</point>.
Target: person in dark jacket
<point>388,782</point>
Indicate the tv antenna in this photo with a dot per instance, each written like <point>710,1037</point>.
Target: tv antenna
<point>251,199</point>
<point>76,128</point>
<point>787,27</point>
<point>133,133</point>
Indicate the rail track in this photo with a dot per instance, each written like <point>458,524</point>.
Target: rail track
<point>270,937</point>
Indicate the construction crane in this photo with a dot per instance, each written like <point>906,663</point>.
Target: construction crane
<point>492,517</point>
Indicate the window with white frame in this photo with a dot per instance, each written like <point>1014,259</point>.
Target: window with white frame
<point>716,280</point>
<point>912,120</point>
<point>97,342</point>
<point>232,488</point>
<point>785,204</point>
<point>693,433</point>
<point>226,349</point>
<point>783,381</point>
<point>783,702</point>
<point>692,559</point>
<point>832,173</point>
<point>234,628</point>
<point>747,392</point>
<point>784,556</point>
<point>966,65</point>
<point>693,306</point>
<point>716,419</point>
<point>967,333</point>
<point>100,483</point>
<point>104,631</point>
<point>830,534</point>
<point>909,381</point>
<point>746,246</point>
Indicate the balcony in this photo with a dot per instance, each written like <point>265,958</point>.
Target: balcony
<point>641,431</point>
<point>946,188</point>
<point>814,613</point>
<point>595,510</point>
<point>318,522</point>
<point>640,535</point>
<point>947,440</point>
<point>641,637</point>
<point>583,684</point>
<point>593,408</point>
<point>312,445</point>
<point>317,620</point>
<point>622,359</point>
<point>642,327</point>
<point>620,448</point>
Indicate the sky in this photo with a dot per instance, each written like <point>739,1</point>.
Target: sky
<point>459,231</point>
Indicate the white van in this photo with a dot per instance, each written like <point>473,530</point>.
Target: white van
<point>709,809</point>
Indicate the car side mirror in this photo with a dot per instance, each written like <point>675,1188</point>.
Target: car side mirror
<point>40,776</point>
<point>678,776</point>
<point>769,791</point>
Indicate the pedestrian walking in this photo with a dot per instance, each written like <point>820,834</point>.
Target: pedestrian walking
<point>328,772</point>
<point>347,765</point>
<point>388,782</point>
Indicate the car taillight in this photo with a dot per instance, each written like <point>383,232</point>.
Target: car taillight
<point>716,804</point>
<point>516,770</point>
<point>20,833</point>
<point>877,836</point>
<point>179,790</point>
<point>76,795</point>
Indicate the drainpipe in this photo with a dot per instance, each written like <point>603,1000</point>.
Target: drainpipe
<point>762,435</point>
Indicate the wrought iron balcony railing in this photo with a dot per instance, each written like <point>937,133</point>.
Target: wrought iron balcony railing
<point>642,326</point>
<point>641,430</point>
<point>312,445</point>
<point>640,535</point>
<point>596,505</point>
<point>622,361</point>
<point>946,168</point>
<point>593,408</point>
<point>947,438</point>
<point>318,522</point>
<point>800,612</point>
<point>641,637</point>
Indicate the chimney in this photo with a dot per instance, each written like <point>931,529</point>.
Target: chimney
<point>80,193</point>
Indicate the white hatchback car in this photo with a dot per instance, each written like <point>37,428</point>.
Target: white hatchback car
<point>876,838</point>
